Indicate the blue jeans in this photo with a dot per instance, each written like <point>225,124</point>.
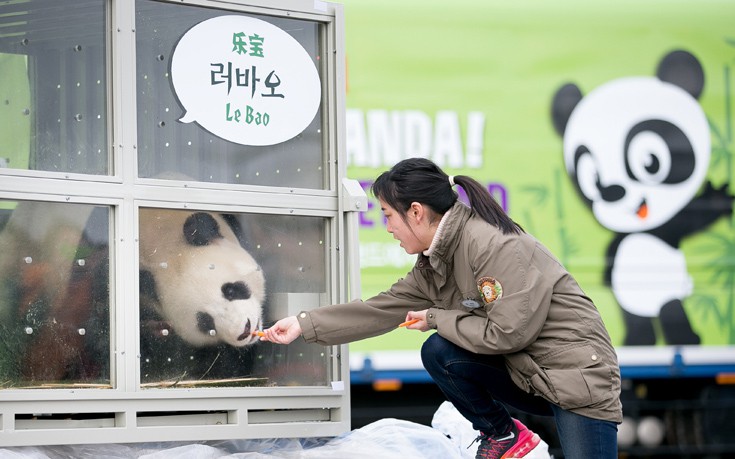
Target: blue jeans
<point>479,385</point>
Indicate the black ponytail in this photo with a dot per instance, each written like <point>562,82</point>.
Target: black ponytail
<point>484,205</point>
<point>420,180</point>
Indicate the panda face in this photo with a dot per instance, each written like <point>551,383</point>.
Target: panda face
<point>638,149</point>
<point>208,288</point>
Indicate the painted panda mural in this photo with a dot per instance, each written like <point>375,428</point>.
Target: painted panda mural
<point>201,295</point>
<point>638,149</point>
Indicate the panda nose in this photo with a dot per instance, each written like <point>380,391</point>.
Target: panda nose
<point>235,291</point>
<point>205,322</point>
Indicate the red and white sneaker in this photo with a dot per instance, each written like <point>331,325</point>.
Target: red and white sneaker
<point>516,444</point>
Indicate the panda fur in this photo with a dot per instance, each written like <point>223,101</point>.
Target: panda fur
<point>201,295</point>
<point>637,150</point>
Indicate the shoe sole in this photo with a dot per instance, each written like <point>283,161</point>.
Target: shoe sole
<point>527,441</point>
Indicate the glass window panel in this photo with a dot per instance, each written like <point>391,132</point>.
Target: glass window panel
<point>53,86</point>
<point>54,294</point>
<point>208,280</point>
<point>167,145</point>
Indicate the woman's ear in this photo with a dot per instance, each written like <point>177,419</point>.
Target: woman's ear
<point>416,211</point>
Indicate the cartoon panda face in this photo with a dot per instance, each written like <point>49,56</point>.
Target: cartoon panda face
<point>200,280</point>
<point>638,149</point>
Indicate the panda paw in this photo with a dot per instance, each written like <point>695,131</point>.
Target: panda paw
<point>719,199</point>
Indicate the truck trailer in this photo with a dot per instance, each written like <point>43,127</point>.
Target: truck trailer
<point>606,131</point>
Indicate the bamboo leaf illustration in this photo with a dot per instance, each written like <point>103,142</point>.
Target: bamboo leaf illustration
<point>539,194</point>
<point>706,305</point>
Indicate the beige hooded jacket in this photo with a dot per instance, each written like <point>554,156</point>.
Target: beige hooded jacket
<point>492,293</point>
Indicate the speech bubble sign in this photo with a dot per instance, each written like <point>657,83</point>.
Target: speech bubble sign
<point>245,80</point>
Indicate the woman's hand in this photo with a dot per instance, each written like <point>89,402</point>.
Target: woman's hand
<point>283,332</point>
<point>421,324</point>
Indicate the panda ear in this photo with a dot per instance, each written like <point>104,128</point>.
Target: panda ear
<point>201,228</point>
<point>565,99</point>
<point>682,69</point>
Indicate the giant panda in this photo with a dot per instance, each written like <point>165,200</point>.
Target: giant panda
<point>637,150</point>
<point>201,294</point>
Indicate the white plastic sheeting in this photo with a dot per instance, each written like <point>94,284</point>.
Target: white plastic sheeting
<point>448,421</point>
<point>448,437</point>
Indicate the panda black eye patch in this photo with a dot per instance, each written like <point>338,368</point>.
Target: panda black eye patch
<point>235,291</point>
<point>205,322</point>
<point>680,151</point>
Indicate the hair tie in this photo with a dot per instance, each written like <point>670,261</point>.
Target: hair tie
<point>451,180</point>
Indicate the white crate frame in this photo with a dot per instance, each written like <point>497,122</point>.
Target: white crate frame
<point>127,413</point>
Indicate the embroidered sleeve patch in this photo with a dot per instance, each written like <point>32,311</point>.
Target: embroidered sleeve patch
<point>490,289</point>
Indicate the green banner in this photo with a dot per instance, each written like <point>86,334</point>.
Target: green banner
<point>475,86</point>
